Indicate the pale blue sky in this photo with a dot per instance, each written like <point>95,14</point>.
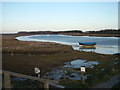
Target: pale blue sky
<point>59,16</point>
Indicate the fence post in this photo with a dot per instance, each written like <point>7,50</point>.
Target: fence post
<point>82,78</point>
<point>46,85</point>
<point>7,83</point>
<point>11,53</point>
<point>29,54</point>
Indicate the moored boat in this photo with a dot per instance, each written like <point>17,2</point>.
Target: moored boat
<point>87,43</point>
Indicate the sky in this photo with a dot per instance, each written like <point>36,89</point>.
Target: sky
<point>57,16</point>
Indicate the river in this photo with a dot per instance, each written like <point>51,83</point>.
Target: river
<point>105,45</point>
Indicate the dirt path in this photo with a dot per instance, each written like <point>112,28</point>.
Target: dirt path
<point>110,83</point>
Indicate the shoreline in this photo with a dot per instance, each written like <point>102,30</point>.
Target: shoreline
<point>72,34</point>
<point>74,45</point>
<point>95,35</point>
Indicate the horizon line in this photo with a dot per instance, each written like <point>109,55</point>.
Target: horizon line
<point>54,31</point>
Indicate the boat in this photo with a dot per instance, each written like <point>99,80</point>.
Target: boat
<point>87,43</point>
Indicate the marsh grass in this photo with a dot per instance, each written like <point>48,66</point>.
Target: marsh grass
<point>10,45</point>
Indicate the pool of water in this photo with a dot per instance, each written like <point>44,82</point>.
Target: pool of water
<point>105,45</point>
<point>71,70</point>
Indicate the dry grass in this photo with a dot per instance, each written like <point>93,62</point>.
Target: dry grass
<point>46,56</point>
<point>27,55</point>
<point>9,45</point>
<point>25,64</point>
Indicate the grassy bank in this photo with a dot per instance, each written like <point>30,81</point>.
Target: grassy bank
<point>10,45</point>
<point>96,35</point>
<point>23,57</point>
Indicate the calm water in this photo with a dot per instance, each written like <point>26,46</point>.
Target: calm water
<point>105,45</point>
<point>68,70</point>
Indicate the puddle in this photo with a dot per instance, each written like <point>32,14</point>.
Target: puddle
<point>78,63</point>
<point>71,70</point>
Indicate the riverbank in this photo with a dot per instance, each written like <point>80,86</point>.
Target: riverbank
<point>94,35</point>
<point>24,56</point>
<point>100,33</point>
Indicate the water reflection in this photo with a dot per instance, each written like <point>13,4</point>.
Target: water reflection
<point>87,48</point>
<point>99,49</point>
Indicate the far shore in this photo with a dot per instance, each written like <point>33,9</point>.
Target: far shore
<point>95,35</point>
<point>72,34</point>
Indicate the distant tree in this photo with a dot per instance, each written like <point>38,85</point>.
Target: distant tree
<point>71,31</point>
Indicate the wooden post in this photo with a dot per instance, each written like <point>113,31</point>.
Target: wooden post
<point>29,54</point>
<point>82,71</point>
<point>7,83</point>
<point>83,82</point>
<point>46,85</point>
<point>11,53</point>
<point>39,76</point>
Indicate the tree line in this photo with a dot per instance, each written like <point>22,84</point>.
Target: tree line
<point>106,31</point>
